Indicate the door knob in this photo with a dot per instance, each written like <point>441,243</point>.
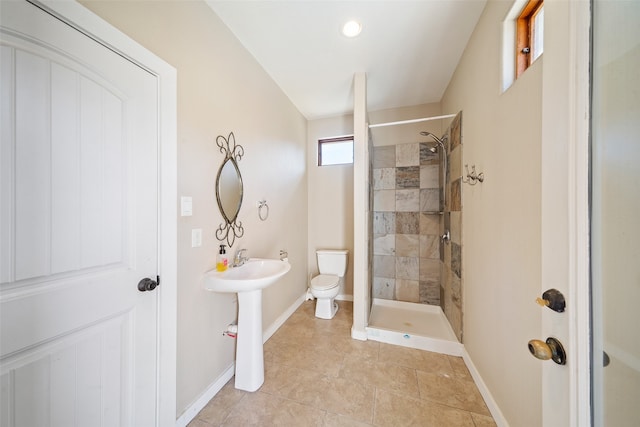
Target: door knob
<point>549,349</point>
<point>553,299</point>
<point>148,284</point>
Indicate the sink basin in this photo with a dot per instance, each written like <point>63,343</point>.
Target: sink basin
<point>248,280</point>
<point>256,273</point>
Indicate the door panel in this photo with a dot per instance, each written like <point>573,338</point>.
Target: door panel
<point>78,218</point>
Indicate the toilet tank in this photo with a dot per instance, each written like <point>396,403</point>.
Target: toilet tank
<point>332,261</point>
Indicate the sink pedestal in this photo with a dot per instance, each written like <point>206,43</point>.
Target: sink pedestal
<point>247,281</point>
<point>249,354</point>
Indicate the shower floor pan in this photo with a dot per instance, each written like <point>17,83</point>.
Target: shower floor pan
<point>420,326</point>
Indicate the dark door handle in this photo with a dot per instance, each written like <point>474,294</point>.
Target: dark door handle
<point>148,284</point>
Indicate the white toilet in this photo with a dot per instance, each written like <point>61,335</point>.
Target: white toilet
<point>332,265</point>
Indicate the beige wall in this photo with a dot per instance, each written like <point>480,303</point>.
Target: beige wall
<point>221,88</point>
<point>502,220</point>
<point>330,198</point>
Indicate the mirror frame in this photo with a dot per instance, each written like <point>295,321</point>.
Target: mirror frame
<point>233,152</point>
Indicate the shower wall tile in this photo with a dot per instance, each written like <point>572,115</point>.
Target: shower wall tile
<point>448,171</point>
<point>384,288</point>
<point>455,319</point>
<point>384,244</point>
<point>407,223</point>
<point>447,254</point>
<point>456,132</point>
<point>456,291</point>
<point>446,221</point>
<point>429,176</point>
<point>455,163</point>
<point>407,245</point>
<point>429,223</point>
<point>384,266</point>
<point>430,292</point>
<point>408,200</point>
<point>426,156</point>
<point>384,179</point>
<point>456,259</point>
<point>384,200</point>
<point>384,223</point>
<point>407,268</point>
<point>430,246</point>
<point>456,227</point>
<point>429,200</point>
<point>384,157</point>
<point>408,177</point>
<point>407,290</point>
<point>447,304</point>
<point>410,263</point>
<point>429,269</point>
<point>408,154</point>
<point>456,195</point>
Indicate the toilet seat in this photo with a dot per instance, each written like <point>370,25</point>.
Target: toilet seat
<point>324,282</point>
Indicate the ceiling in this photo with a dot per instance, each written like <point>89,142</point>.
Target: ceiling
<point>408,49</point>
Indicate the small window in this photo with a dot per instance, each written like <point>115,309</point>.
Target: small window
<point>335,151</point>
<point>530,30</point>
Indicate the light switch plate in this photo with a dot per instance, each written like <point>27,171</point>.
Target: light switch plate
<point>196,237</point>
<point>186,206</point>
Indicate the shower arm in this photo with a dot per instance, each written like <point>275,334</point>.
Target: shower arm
<point>443,160</point>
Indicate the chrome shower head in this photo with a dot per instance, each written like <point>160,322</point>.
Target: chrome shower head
<point>440,142</point>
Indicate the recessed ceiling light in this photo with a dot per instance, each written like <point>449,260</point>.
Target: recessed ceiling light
<point>351,28</point>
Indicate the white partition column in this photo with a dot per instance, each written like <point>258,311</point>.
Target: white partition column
<point>361,292</point>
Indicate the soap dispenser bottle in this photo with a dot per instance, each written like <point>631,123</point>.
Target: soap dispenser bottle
<point>222,261</point>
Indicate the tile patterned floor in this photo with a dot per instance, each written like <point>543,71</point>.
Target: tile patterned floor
<point>316,375</point>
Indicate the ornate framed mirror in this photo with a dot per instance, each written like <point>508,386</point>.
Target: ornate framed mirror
<point>229,189</point>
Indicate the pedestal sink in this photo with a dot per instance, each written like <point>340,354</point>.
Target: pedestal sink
<point>248,281</point>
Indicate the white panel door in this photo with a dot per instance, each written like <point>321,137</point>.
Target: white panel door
<point>78,226</point>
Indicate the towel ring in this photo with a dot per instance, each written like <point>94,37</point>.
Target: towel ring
<point>263,210</point>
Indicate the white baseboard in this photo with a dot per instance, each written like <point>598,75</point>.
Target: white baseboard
<point>359,335</point>
<point>496,413</point>
<point>283,318</point>
<point>190,413</point>
<point>344,297</point>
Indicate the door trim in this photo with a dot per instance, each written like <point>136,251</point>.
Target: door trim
<point>565,209</point>
<point>86,21</point>
<point>580,279</point>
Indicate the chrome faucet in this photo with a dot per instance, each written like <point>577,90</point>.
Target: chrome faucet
<point>240,259</point>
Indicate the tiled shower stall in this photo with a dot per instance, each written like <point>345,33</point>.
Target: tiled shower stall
<point>411,262</point>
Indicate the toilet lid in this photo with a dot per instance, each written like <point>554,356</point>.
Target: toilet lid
<point>324,281</point>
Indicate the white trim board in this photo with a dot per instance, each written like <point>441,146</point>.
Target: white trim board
<point>194,409</point>
<point>492,405</point>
